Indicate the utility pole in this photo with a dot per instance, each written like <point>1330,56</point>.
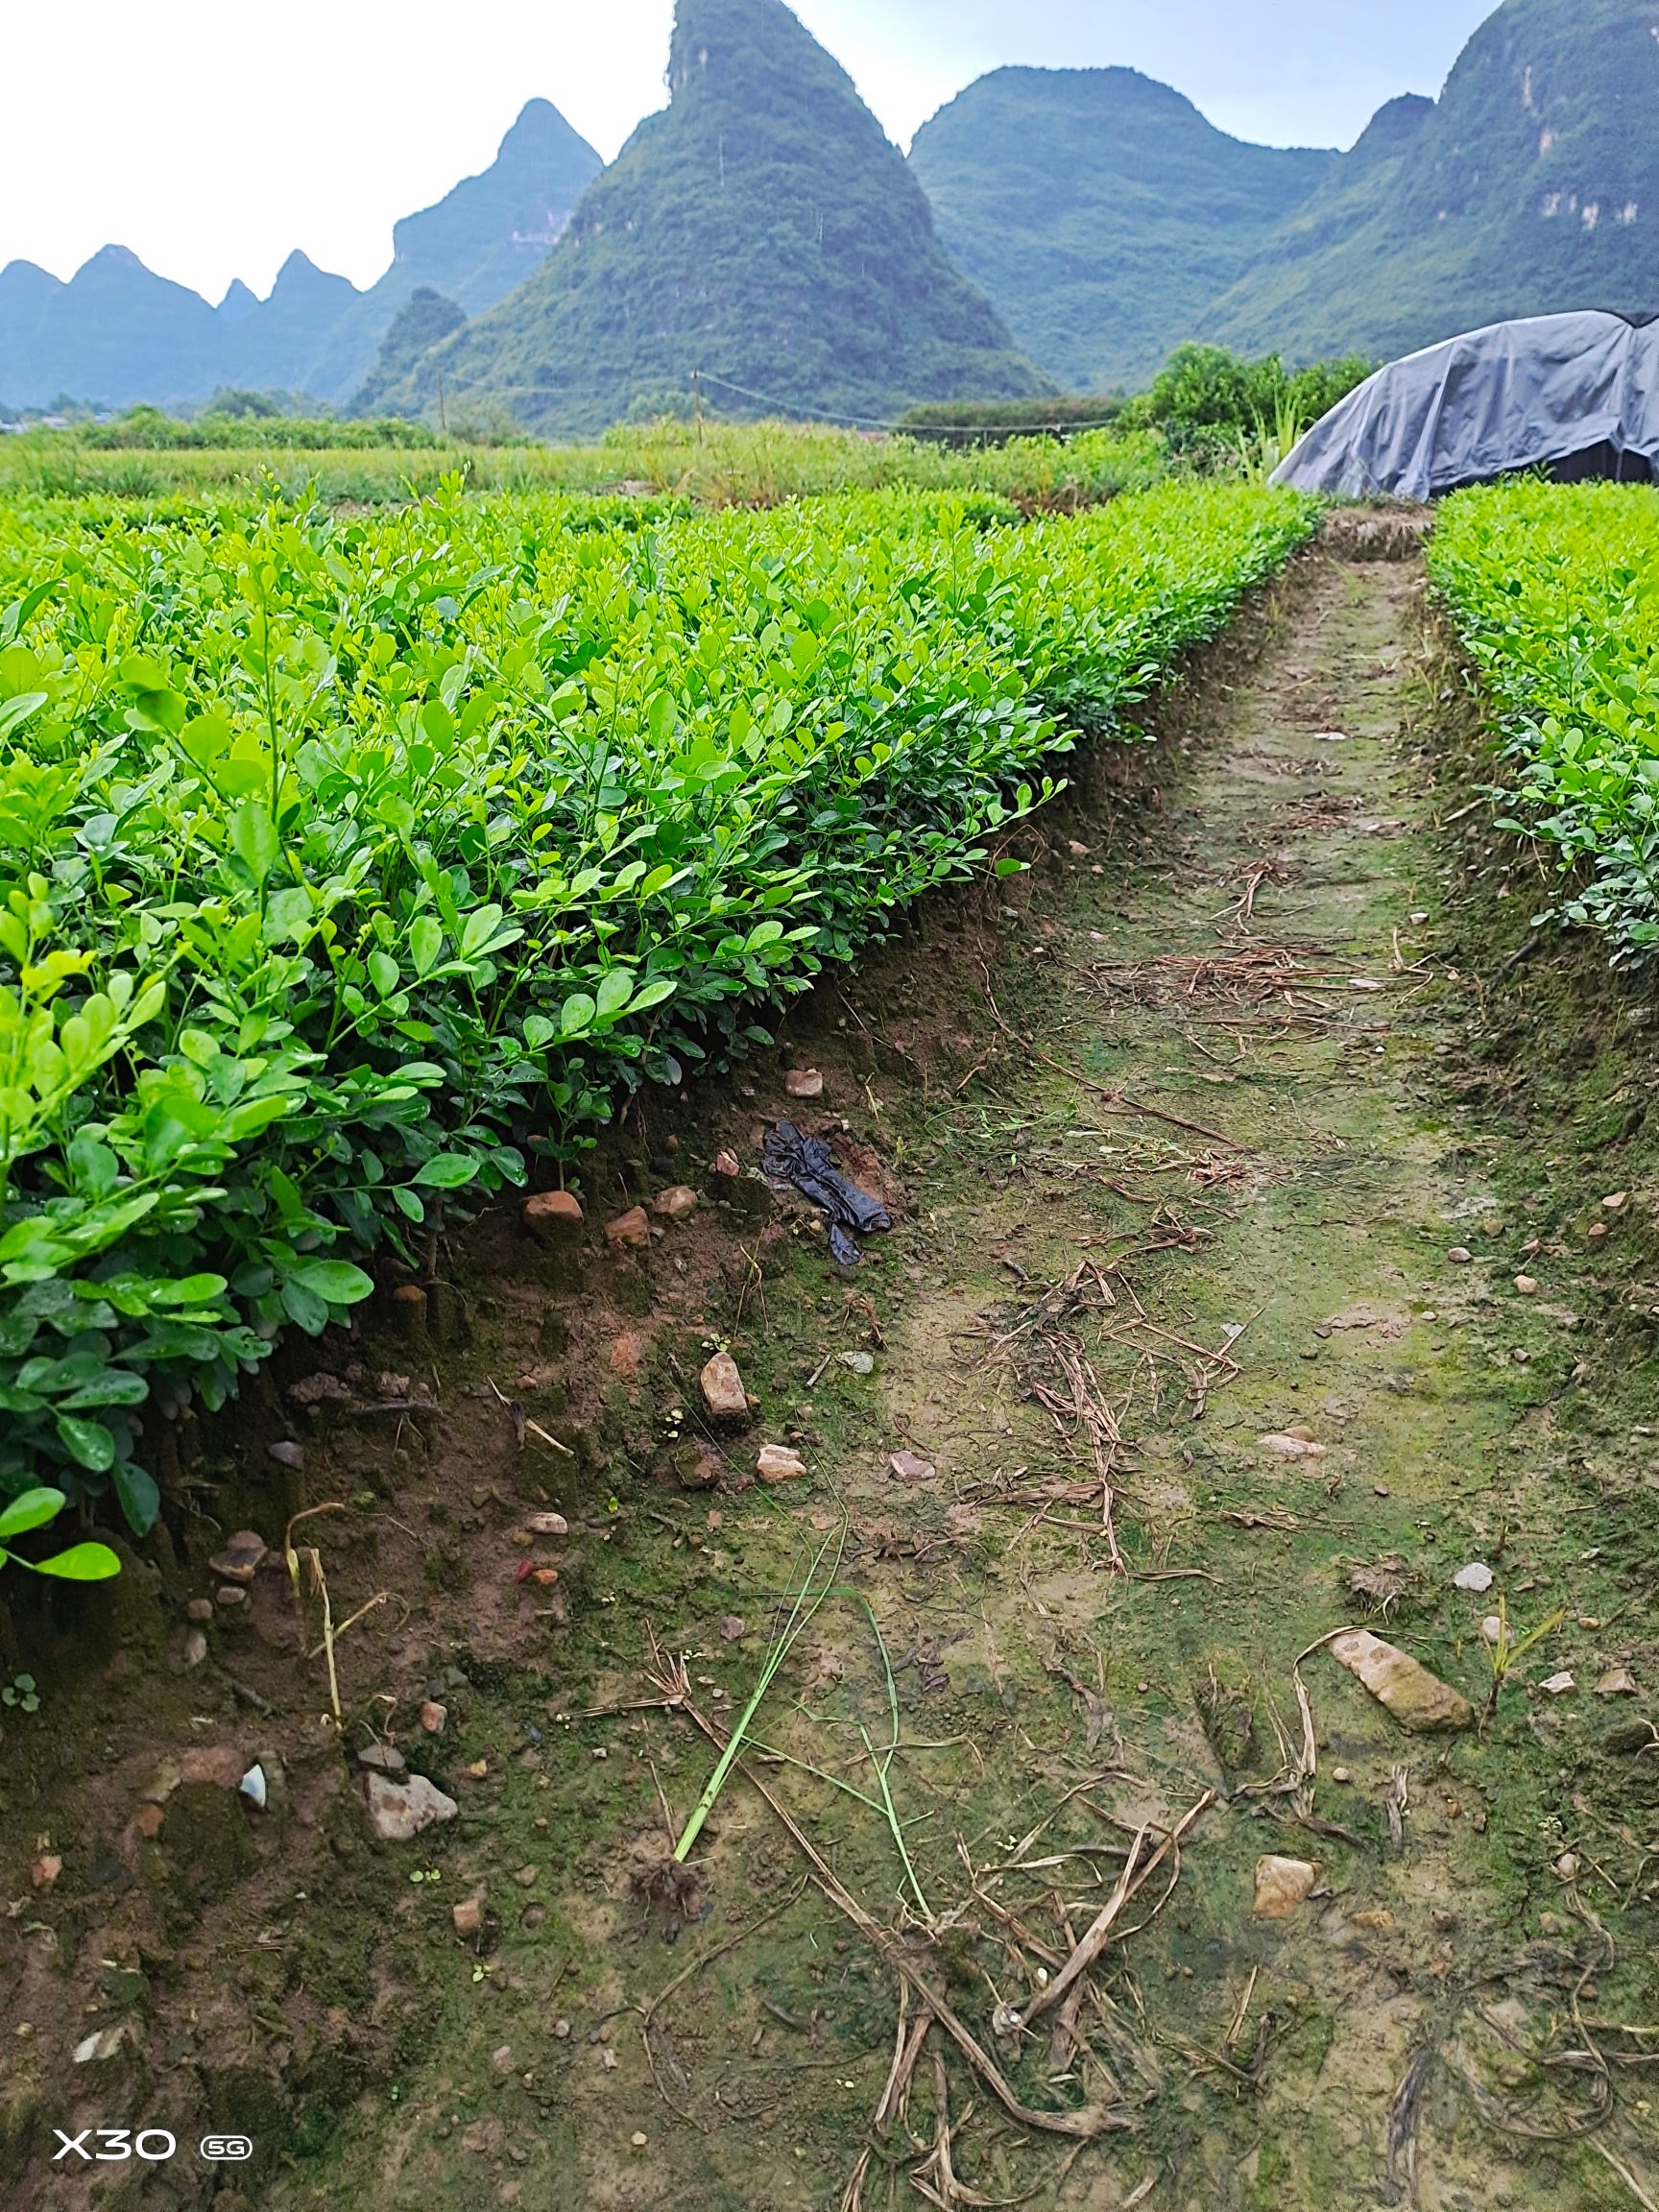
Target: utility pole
<point>697,401</point>
<point>442,419</point>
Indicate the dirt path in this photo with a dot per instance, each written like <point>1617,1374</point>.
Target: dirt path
<point>1257,1247</point>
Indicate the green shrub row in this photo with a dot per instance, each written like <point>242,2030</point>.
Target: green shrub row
<point>1555,592</point>
<point>343,858</point>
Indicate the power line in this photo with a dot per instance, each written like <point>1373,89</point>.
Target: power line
<point>839,420</point>
<point>869,423</point>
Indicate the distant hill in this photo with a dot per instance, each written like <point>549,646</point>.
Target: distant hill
<point>474,247</point>
<point>118,333</point>
<point>115,330</point>
<point>1100,212</point>
<point>424,321</point>
<point>271,345</point>
<point>760,228</point>
<point>1531,187</point>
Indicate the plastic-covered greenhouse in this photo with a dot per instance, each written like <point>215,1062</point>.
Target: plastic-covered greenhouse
<point>1573,395</point>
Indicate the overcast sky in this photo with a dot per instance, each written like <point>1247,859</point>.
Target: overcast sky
<point>211,139</point>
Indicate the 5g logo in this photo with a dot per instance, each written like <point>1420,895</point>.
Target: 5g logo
<point>219,2149</point>
<point>152,2143</point>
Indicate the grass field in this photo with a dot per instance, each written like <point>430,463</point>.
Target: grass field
<point>713,464</point>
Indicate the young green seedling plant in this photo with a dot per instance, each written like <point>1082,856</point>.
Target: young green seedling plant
<point>814,1586</point>
<point>79,1563</point>
<point>1504,1648</point>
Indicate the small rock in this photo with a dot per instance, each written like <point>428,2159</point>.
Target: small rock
<point>160,1784</point>
<point>1492,1627</point>
<point>676,1202</point>
<point>722,1386</point>
<point>638,2139</point>
<point>547,1524</point>
<point>725,1163</point>
<point>45,1870</point>
<point>551,1217</point>
<point>1598,1232</point>
<point>731,1627</point>
<point>857,1362</point>
<point>1558,1684</point>
<point>1379,1918</point>
<point>1476,1576</point>
<point>501,2058</point>
<point>1527,1286</point>
<point>1286,1444</point>
<point>1616,1202</point>
<point>526,1877</point>
<point>319,1389</point>
<point>242,1558</point>
<point>1418,1701</point>
<point>1460,1255</point>
<point>477,1771</point>
<point>194,1648</point>
<point>229,1596</point>
<point>1079,852</point>
<point>220,1764</point>
<point>434,1717</point>
<point>1281,1885</point>
<point>403,1810</point>
<point>382,1758</point>
<point>777,1463</point>
<point>912,1467</point>
<point>286,1454</point>
<point>562,2031</point>
<point>1340,1774</point>
<point>252,1786</point>
<point>199,1609</point>
<point>804,1083</point>
<point>1567,1866</point>
<point>105,2043</point>
<point>1616,1682</point>
<point>695,1466</point>
<point>629,1229</point>
<point>150,1821</point>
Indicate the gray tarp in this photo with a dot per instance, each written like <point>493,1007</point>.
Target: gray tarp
<point>1514,396</point>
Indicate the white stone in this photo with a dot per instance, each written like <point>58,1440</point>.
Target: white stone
<point>403,1810</point>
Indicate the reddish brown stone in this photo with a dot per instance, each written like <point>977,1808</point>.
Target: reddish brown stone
<point>551,1215</point>
<point>220,1763</point>
<point>630,1230</point>
<point>722,1386</point>
<point>241,1559</point>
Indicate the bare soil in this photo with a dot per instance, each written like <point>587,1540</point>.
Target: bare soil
<point>1178,1131</point>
